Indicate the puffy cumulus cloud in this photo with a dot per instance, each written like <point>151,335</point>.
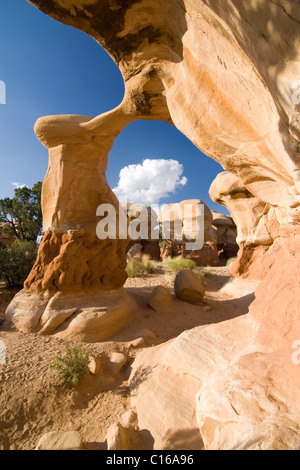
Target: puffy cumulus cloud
<point>150,181</point>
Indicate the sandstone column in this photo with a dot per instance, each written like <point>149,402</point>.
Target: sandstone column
<point>75,286</point>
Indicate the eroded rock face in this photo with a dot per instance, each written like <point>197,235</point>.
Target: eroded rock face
<point>74,264</point>
<point>6,238</point>
<point>225,57</point>
<point>258,224</point>
<point>189,288</point>
<point>57,440</point>
<point>188,222</point>
<point>224,72</point>
<point>161,300</point>
<point>143,222</point>
<point>226,236</point>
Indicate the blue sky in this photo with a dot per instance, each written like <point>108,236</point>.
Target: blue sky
<point>50,68</point>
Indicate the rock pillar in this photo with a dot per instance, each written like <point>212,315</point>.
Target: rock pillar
<point>75,287</point>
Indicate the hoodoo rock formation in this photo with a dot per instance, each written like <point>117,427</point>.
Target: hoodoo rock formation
<point>145,232</point>
<point>73,264</point>
<point>258,224</point>
<point>225,73</point>
<point>183,223</point>
<point>226,232</point>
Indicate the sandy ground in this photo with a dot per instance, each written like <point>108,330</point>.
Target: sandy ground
<point>32,402</point>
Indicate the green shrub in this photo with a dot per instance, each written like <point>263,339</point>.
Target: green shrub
<point>16,262</point>
<point>73,365</point>
<point>180,264</point>
<point>201,272</point>
<point>139,268</point>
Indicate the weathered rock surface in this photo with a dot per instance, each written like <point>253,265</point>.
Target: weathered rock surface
<point>206,256</point>
<point>171,418</point>
<point>258,224</point>
<point>251,412</point>
<point>184,223</point>
<point>160,299</point>
<point>144,337</point>
<point>117,438</point>
<point>58,440</point>
<point>6,237</point>
<point>96,365</point>
<point>71,317</point>
<point>126,434</point>
<point>75,264</point>
<point>226,236</point>
<point>242,398</point>
<point>118,362</point>
<point>225,72</point>
<point>222,56</point>
<point>189,288</point>
<point>135,253</point>
<point>143,220</point>
<point>277,299</point>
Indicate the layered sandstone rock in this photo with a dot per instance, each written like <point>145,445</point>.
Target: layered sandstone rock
<point>225,73</point>
<point>226,236</point>
<point>6,237</point>
<point>254,403</point>
<point>160,300</point>
<point>77,280</point>
<point>189,222</point>
<point>58,440</point>
<point>143,229</point>
<point>188,287</point>
<point>225,57</point>
<point>258,223</point>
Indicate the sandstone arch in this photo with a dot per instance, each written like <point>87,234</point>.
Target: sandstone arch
<point>223,72</point>
<point>225,58</point>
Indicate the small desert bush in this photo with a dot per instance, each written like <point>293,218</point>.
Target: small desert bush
<point>72,366</point>
<point>201,272</point>
<point>16,262</point>
<point>180,264</point>
<point>139,268</point>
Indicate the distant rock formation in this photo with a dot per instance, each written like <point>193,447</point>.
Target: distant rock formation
<point>6,237</point>
<point>144,216</point>
<point>180,225</point>
<point>226,236</point>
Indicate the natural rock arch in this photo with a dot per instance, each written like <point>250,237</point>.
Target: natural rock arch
<point>203,55</point>
<point>224,72</point>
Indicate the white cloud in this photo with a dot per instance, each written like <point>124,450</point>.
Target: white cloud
<point>148,182</point>
<point>18,185</point>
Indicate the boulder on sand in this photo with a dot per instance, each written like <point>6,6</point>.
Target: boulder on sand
<point>189,288</point>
